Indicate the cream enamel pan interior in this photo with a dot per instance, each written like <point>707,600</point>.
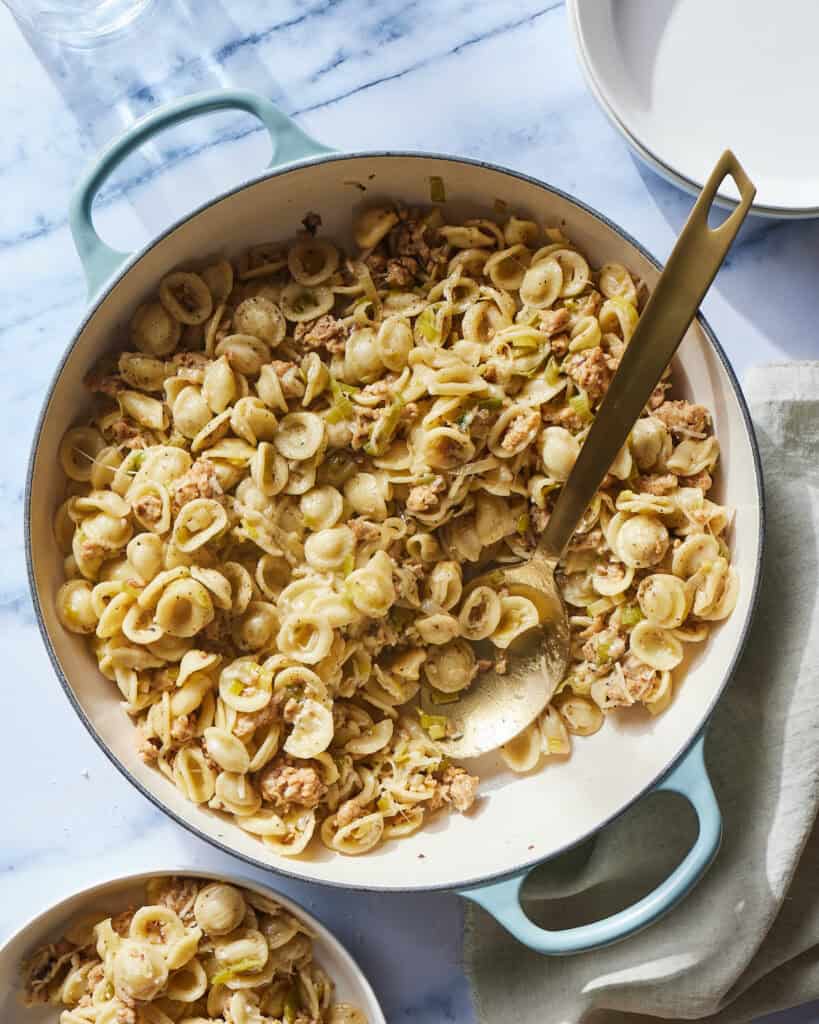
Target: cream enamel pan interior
<point>519,820</point>
<point>117,894</point>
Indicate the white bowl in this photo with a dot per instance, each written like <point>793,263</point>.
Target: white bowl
<point>683,81</point>
<point>116,894</point>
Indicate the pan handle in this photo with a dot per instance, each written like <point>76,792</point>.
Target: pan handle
<point>502,899</point>
<point>99,260</point>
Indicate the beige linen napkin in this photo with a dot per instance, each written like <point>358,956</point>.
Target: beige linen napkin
<point>746,940</point>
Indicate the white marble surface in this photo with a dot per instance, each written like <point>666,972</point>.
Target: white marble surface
<point>490,79</point>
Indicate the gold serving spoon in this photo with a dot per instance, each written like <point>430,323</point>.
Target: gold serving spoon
<point>495,708</point>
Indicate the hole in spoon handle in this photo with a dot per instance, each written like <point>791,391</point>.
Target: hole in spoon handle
<point>727,167</point>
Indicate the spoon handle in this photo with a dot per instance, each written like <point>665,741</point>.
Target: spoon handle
<point>691,268</point>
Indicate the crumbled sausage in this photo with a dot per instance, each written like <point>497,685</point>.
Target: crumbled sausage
<point>200,481</point>
<point>183,729</point>
<point>425,497</point>
<point>560,345</point>
<point>325,332</point>
<point>657,483</point>
<point>148,509</point>
<point>639,677</point>
<point>462,788</point>
<point>628,682</point>
<point>97,973</point>
<point>91,549</point>
<point>348,812</point>
<point>588,305</point>
<point>381,389</point>
<point>412,236</point>
<point>457,787</point>
<point>191,366</point>
<point>290,378</point>
<point>553,320</point>
<point>563,416</point>
<point>683,417</point>
<point>612,691</point>
<point>283,784</point>
<point>247,722</point>
<point>127,434</point>
<point>703,480</point>
<point>519,430</point>
<point>190,360</point>
<point>590,371</point>
<point>148,747</point>
<point>105,385</point>
<point>363,530</point>
<point>179,895</point>
<point>401,272</point>
<point>604,648</point>
<point>376,263</point>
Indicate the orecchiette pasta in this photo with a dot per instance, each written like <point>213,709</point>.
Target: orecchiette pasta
<point>559,451</point>
<point>522,753</point>
<point>75,607</point>
<point>279,509</point>
<point>200,950</point>
<point>154,330</point>
<point>663,600</point>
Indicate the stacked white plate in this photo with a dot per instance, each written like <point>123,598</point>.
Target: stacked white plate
<point>685,79</point>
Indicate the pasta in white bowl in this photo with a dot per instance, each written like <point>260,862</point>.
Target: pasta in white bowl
<point>181,948</point>
<point>291,478</point>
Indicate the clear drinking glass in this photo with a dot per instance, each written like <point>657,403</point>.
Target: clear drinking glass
<point>77,23</point>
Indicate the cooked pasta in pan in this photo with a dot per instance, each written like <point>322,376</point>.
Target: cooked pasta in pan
<point>198,952</point>
<point>291,480</point>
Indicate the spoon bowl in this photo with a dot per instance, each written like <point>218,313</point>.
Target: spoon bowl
<point>498,706</point>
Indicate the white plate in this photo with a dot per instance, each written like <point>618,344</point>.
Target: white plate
<point>685,79</point>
